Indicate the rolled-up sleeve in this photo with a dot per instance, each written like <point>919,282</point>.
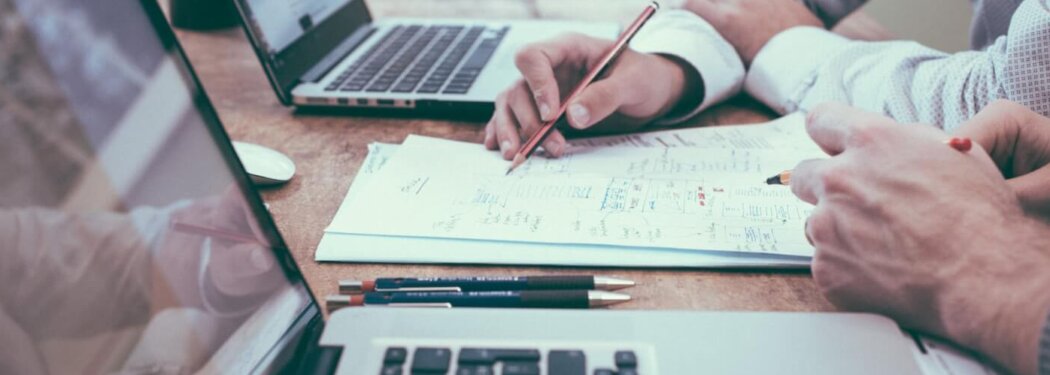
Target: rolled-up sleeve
<point>803,67</point>
<point>689,38</point>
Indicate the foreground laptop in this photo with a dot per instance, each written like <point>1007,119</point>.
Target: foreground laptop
<point>331,53</point>
<point>135,244</point>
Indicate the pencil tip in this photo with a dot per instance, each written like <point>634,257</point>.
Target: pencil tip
<point>514,164</point>
<point>775,180</point>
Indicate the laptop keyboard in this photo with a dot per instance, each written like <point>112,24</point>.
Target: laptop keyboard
<point>422,59</point>
<point>486,361</point>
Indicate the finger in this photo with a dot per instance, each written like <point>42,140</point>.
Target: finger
<point>807,180</point>
<point>836,126</point>
<point>995,128</point>
<point>595,103</point>
<point>524,108</point>
<point>537,62</point>
<point>506,131</point>
<point>490,136</point>
<point>1017,139</point>
<point>1032,191</point>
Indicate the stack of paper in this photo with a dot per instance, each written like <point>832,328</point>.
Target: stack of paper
<point>677,198</point>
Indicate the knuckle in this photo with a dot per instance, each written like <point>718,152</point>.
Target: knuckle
<point>835,179</point>
<point>821,227</point>
<point>866,132</point>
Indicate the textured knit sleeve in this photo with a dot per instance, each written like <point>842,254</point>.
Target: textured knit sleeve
<point>803,67</point>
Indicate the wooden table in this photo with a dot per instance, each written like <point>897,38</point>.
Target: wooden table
<point>329,150</point>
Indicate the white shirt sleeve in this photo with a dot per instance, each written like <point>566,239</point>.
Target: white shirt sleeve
<point>787,66</point>
<point>689,38</point>
<point>805,66</point>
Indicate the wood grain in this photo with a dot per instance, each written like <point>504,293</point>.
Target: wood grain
<point>329,150</point>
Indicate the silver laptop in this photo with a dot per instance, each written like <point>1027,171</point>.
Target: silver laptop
<point>331,53</point>
<point>135,243</point>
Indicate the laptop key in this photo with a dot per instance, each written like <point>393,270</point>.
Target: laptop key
<point>395,356</point>
<point>627,371</point>
<point>566,362</point>
<point>457,90</point>
<point>520,368</point>
<point>392,370</point>
<point>431,361</point>
<point>625,359</point>
<point>488,356</point>
<point>378,87</point>
<point>475,370</point>
<point>604,371</point>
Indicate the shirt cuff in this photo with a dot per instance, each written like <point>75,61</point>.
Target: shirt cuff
<point>689,38</point>
<point>786,67</point>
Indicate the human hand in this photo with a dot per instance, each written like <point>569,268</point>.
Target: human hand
<point>1019,142</point>
<point>235,269</point>
<point>749,24</point>
<point>636,89</point>
<point>911,228</point>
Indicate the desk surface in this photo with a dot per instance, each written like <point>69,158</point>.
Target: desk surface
<point>329,150</point>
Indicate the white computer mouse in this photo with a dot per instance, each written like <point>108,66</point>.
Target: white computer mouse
<point>265,166</point>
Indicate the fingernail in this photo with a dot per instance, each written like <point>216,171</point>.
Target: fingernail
<point>545,111</point>
<point>504,146</point>
<point>556,149</point>
<point>581,118</point>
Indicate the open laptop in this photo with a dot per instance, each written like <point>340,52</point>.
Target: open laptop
<point>331,53</point>
<point>135,243</point>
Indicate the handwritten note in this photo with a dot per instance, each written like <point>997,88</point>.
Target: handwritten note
<point>695,189</point>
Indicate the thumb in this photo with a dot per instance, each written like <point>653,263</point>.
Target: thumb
<point>1033,190</point>
<point>994,128</point>
<point>598,101</point>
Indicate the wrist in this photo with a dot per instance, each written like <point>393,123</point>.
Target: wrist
<point>685,87</point>
<point>1002,309</point>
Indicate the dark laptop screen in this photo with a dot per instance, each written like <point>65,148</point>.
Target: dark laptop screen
<point>300,39</point>
<point>130,240</point>
<point>278,23</point>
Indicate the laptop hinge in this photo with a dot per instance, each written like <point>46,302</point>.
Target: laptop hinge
<point>333,58</point>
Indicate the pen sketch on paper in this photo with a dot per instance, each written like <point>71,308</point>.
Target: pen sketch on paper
<point>697,189</point>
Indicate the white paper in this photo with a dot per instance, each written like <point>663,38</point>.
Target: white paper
<point>700,191</point>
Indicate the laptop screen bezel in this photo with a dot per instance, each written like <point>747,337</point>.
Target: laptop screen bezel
<point>209,116</point>
<point>287,67</point>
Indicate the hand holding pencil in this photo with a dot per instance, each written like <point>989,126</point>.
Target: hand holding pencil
<point>633,91</point>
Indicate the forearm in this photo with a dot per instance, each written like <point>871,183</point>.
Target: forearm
<point>711,71</point>
<point>1000,308</point>
<point>56,264</point>
<point>802,67</point>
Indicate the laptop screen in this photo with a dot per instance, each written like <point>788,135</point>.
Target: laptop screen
<point>278,23</point>
<point>298,40</point>
<point>130,239</point>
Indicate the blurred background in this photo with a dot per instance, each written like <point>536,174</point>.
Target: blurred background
<point>941,24</point>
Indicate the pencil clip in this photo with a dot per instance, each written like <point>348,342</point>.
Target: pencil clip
<point>446,305</point>
<point>421,289</point>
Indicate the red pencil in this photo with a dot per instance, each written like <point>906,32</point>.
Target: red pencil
<point>533,143</point>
